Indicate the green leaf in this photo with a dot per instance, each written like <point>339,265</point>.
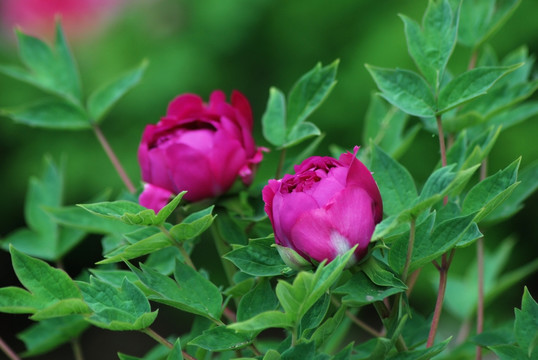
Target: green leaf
<point>271,354</point>
<point>51,70</point>
<point>461,296</point>
<point>15,300</point>
<point>309,92</point>
<point>307,288</point>
<point>443,238</point>
<point>327,330</point>
<point>48,287</point>
<point>114,277</point>
<point>480,19</point>
<point>441,182</point>
<point>404,89</point>
<point>381,274</point>
<point>143,247</point>
<point>527,186</point>
<point>221,338</point>
<point>315,315</point>
<point>526,324</point>
<point>117,309</point>
<point>515,115</point>
<point>274,118</point>
<point>384,126</point>
<point>102,99</point>
<point>376,348</point>
<point>62,308</point>
<point>190,291</point>
<point>509,352</point>
<point>359,290</point>
<point>48,334</point>
<point>485,196</point>
<point>300,351</point>
<point>398,247</point>
<point>67,75</point>
<point>497,336</point>
<point>258,258</point>
<point>77,217</point>
<point>166,211</point>
<point>193,225</point>
<point>265,320</point>
<point>126,211</point>
<point>395,182</point>
<point>422,354</point>
<point>431,46</point>
<point>176,353</point>
<point>470,85</point>
<point>260,299</point>
<point>53,114</point>
<point>44,191</point>
<point>301,132</point>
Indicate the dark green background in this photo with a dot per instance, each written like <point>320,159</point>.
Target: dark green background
<point>249,45</point>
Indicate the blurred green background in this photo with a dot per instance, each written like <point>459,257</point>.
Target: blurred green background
<point>248,45</point>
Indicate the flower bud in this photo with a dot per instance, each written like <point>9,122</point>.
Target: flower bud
<point>326,208</point>
<point>201,148</point>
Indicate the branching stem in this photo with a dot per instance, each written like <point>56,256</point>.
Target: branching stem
<point>182,250</point>
<point>364,326</point>
<point>161,340</point>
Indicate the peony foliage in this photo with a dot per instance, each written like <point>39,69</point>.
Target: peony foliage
<point>326,248</point>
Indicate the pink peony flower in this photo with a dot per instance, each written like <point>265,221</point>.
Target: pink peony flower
<point>201,148</point>
<point>325,209</point>
<point>37,17</point>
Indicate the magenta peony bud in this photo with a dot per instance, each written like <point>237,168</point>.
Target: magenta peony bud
<point>198,147</point>
<point>326,208</point>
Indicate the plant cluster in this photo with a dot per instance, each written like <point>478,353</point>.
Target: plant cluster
<point>352,231</point>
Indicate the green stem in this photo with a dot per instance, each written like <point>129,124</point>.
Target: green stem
<point>358,321</point>
<point>7,350</point>
<point>280,164</point>
<point>161,340</point>
<point>77,349</point>
<point>223,248</point>
<point>409,250</point>
<point>384,314</point>
<point>113,159</point>
<point>182,250</point>
<point>412,281</point>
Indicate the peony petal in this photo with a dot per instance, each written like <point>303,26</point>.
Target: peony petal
<point>325,189</point>
<point>331,231</point>
<point>159,172</point>
<point>359,175</point>
<point>186,105</point>
<point>154,197</point>
<point>240,102</point>
<point>191,171</point>
<point>268,194</point>
<point>287,208</point>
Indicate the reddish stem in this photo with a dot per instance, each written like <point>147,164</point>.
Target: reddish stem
<point>7,350</point>
<point>113,158</point>
<point>480,263</point>
<point>439,303</point>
